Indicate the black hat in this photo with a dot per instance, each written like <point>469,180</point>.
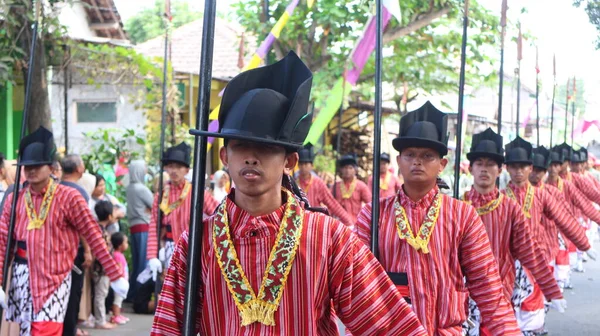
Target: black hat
<point>385,157</point>
<point>267,105</point>
<point>306,155</point>
<point>555,157</point>
<point>348,159</point>
<point>424,127</point>
<point>519,151</point>
<point>487,144</point>
<point>37,148</point>
<point>541,158</point>
<point>583,154</point>
<point>564,150</point>
<point>576,157</point>
<point>181,153</point>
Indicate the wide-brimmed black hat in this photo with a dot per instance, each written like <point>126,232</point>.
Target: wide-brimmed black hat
<point>487,144</point>
<point>425,127</point>
<point>564,150</point>
<point>555,157</point>
<point>306,155</point>
<point>541,158</point>
<point>385,157</point>
<point>37,148</point>
<point>583,154</point>
<point>181,153</point>
<point>518,151</point>
<point>576,157</point>
<point>348,159</point>
<point>267,105</point>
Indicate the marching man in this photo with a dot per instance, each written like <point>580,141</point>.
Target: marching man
<point>351,192</point>
<point>270,265</point>
<point>50,218</point>
<point>389,184</point>
<point>429,242</point>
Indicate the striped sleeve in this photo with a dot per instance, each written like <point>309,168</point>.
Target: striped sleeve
<point>588,189</point>
<point>365,193</point>
<point>168,319</point>
<point>80,216</point>
<point>4,223</point>
<point>524,248</point>
<point>152,245</point>
<point>565,222</point>
<point>483,278</point>
<point>364,297</point>
<point>582,203</point>
<point>210,203</point>
<point>332,205</point>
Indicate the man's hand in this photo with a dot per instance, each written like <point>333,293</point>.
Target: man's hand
<point>88,259</point>
<point>559,304</point>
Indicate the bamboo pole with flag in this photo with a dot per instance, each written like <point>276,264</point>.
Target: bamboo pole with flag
<point>537,96</point>
<point>573,100</point>
<point>553,96</point>
<point>461,100</point>
<point>518,71</point>
<point>567,110</point>
<point>502,37</point>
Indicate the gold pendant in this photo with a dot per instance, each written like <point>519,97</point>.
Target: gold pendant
<point>35,224</point>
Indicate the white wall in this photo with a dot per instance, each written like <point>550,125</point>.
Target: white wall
<point>74,17</point>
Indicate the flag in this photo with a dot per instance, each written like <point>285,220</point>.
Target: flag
<point>520,45</point>
<point>168,10</point>
<point>504,9</point>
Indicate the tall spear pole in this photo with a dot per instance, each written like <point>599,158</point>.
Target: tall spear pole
<point>377,129</point>
<point>567,110</point>
<point>26,107</point>
<point>537,96</point>
<point>553,96</point>
<point>519,57</point>
<point>461,99</point>
<point>502,37</point>
<point>574,97</point>
<point>339,138</point>
<point>193,278</point>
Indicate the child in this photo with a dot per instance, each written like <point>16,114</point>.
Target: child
<point>120,244</point>
<point>104,212</point>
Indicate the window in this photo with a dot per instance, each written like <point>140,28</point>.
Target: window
<point>97,112</point>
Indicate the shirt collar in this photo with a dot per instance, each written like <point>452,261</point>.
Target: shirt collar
<point>425,201</point>
<point>240,218</point>
<point>478,198</point>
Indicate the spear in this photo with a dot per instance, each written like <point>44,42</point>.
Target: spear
<point>567,109</point>
<point>519,58</point>
<point>553,96</point>
<point>163,127</point>
<point>193,277</point>
<point>573,98</point>
<point>461,99</point>
<point>26,107</point>
<point>503,35</point>
<point>377,130</point>
<point>537,96</point>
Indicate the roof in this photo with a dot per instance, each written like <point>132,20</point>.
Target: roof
<point>104,19</point>
<point>186,45</point>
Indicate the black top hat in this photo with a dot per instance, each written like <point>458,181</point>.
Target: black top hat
<point>306,155</point>
<point>555,157</point>
<point>37,148</point>
<point>577,156</point>
<point>385,157</point>
<point>541,158</point>
<point>267,105</point>
<point>181,153</point>
<point>424,127</point>
<point>519,151</point>
<point>348,159</point>
<point>487,144</point>
<point>564,150</point>
<point>583,154</point>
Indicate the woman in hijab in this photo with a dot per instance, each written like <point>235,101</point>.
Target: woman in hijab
<point>220,182</point>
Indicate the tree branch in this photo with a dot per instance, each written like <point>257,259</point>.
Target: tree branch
<point>423,21</point>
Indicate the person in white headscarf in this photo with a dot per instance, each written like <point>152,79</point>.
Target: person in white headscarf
<point>220,181</point>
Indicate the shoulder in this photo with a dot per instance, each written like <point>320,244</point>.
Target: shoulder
<point>362,185</point>
<point>459,209</point>
<point>319,226</point>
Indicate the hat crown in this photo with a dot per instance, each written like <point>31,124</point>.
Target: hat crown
<point>305,155</point>
<point>426,122</point>
<point>182,153</point>
<point>519,151</point>
<point>541,157</point>
<point>348,159</point>
<point>37,148</point>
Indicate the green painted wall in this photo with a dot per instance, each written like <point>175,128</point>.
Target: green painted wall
<point>7,121</point>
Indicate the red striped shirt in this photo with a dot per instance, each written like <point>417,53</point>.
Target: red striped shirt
<point>459,248</point>
<point>318,194</point>
<point>332,269</point>
<point>511,239</point>
<point>179,218</point>
<point>393,186</point>
<point>51,250</point>
<point>352,205</point>
<point>587,188</point>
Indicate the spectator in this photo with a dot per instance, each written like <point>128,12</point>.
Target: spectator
<point>220,181</point>
<point>120,244</point>
<point>99,194</point>
<point>105,214</point>
<point>139,205</point>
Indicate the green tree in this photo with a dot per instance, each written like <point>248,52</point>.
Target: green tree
<point>592,8</point>
<point>150,23</point>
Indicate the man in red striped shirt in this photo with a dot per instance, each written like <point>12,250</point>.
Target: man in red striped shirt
<point>429,242</point>
<point>49,220</point>
<point>389,184</point>
<point>351,192</point>
<point>506,226</point>
<point>175,206</point>
<point>317,192</point>
<point>269,265</point>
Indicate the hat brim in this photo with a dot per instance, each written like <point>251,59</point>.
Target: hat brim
<point>166,162</point>
<point>540,167</point>
<point>305,161</point>
<point>400,144</point>
<point>472,156</point>
<point>556,161</point>
<point>343,163</point>
<point>527,162</point>
<point>232,136</point>
<point>30,163</point>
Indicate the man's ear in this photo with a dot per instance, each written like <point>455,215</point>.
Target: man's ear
<point>223,155</point>
<point>443,163</point>
<point>291,161</point>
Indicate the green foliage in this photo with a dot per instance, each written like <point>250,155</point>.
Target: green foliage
<point>561,96</point>
<point>325,160</point>
<point>150,23</point>
<point>592,8</point>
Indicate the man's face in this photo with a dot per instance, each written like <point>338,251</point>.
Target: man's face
<point>305,168</point>
<point>37,174</point>
<point>564,168</point>
<point>537,175</point>
<point>485,171</point>
<point>420,164</point>
<point>384,166</point>
<point>576,167</point>
<point>176,171</point>
<point>348,172</point>
<point>554,169</point>
<point>257,168</point>
<point>519,172</point>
